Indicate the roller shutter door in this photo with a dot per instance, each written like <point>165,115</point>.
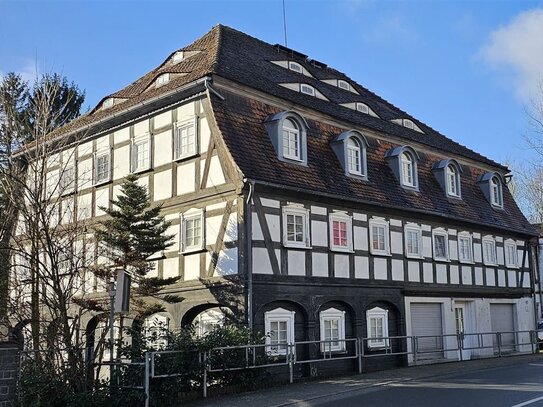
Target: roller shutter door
<point>427,324</point>
<point>502,320</point>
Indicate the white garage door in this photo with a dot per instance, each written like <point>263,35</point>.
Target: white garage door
<point>426,323</point>
<point>502,320</point>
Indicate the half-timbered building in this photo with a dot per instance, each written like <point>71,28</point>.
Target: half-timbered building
<point>306,205</point>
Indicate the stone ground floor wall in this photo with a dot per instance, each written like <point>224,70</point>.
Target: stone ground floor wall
<point>9,368</point>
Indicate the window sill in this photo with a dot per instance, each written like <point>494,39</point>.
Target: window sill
<point>292,246</point>
<point>414,257</point>
<point>466,262</point>
<point>512,267</point>
<point>100,183</point>
<point>67,193</point>
<point>381,254</point>
<point>143,170</point>
<point>490,264</point>
<point>185,157</point>
<point>333,351</point>
<point>443,260</point>
<point>193,250</point>
<point>341,250</point>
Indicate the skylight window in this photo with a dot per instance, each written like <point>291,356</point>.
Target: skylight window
<point>307,89</point>
<point>343,85</point>
<point>296,67</point>
<point>363,108</point>
<point>178,57</point>
<point>108,103</point>
<point>162,79</point>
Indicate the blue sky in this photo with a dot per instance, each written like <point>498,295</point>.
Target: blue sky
<point>466,68</point>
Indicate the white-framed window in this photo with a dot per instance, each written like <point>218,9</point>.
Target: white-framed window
<point>295,66</point>
<point>162,79</point>
<point>332,327</point>
<point>496,196</point>
<point>108,103</point>
<point>511,254</point>
<point>409,124</point>
<point>441,244</point>
<point>156,328</point>
<point>185,140</point>
<point>362,107</point>
<point>489,251</point>
<point>192,231</point>
<point>452,179</point>
<point>141,153</point>
<point>377,327</point>
<point>413,241</point>
<point>465,248</point>
<point>291,140</point>
<point>208,320</point>
<point>407,166</point>
<point>341,232</point>
<point>178,57</point>
<point>355,153</point>
<point>102,167</point>
<point>279,327</point>
<point>296,226</point>
<point>379,237</point>
<point>307,89</point>
<point>67,179</point>
<point>343,85</point>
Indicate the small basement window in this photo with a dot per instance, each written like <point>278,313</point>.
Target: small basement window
<point>296,67</point>
<point>307,89</point>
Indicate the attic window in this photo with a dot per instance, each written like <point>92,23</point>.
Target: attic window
<point>308,90</point>
<point>107,103</point>
<point>178,57</point>
<point>296,67</point>
<point>409,124</point>
<point>162,79</point>
<point>343,85</point>
<point>363,108</point>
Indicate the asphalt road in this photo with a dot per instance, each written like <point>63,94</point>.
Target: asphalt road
<point>509,386</point>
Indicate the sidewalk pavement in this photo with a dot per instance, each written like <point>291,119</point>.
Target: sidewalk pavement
<point>289,395</point>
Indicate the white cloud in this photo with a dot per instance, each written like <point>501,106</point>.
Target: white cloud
<point>517,49</point>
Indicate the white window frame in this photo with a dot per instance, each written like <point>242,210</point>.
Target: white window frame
<point>213,316</point>
<point>70,168</point>
<point>297,134</point>
<point>279,315</point>
<point>178,127</point>
<point>296,210</point>
<point>361,150</point>
<point>362,108</point>
<point>329,315</point>
<point>107,103</point>
<point>452,180</point>
<point>384,224</point>
<point>492,242</point>
<point>97,156</point>
<point>465,236</point>
<point>162,80</point>
<point>296,67</point>
<point>407,123</point>
<point>344,85</point>
<point>178,57</point>
<point>413,228</point>
<point>309,90</point>
<point>187,216</point>
<point>382,314</point>
<point>511,245</point>
<point>407,158</point>
<point>341,217</point>
<point>496,189</point>
<point>443,233</point>
<point>136,141</point>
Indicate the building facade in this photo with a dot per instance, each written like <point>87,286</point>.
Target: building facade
<point>304,204</point>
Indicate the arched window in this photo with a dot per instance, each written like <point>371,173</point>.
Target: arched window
<point>453,181</point>
<point>354,156</point>
<point>291,140</point>
<point>408,170</point>
<point>496,191</point>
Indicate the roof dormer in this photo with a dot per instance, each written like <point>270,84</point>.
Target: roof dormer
<point>342,84</point>
<point>407,123</point>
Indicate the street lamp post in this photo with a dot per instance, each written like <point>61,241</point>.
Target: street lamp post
<point>111,292</point>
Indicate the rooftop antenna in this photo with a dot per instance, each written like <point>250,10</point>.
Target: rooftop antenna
<point>285,23</point>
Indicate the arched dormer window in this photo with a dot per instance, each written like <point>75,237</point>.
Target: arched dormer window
<point>350,148</point>
<point>448,173</point>
<point>491,184</point>
<point>407,170</point>
<point>403,161</point>
<point>288,133</point>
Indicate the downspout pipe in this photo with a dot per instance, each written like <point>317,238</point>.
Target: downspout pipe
<point>249,250</point>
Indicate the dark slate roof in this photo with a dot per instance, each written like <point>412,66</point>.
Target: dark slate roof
<point>240,121</point>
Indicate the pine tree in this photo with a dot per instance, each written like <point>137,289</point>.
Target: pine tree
<point>134,230</point>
